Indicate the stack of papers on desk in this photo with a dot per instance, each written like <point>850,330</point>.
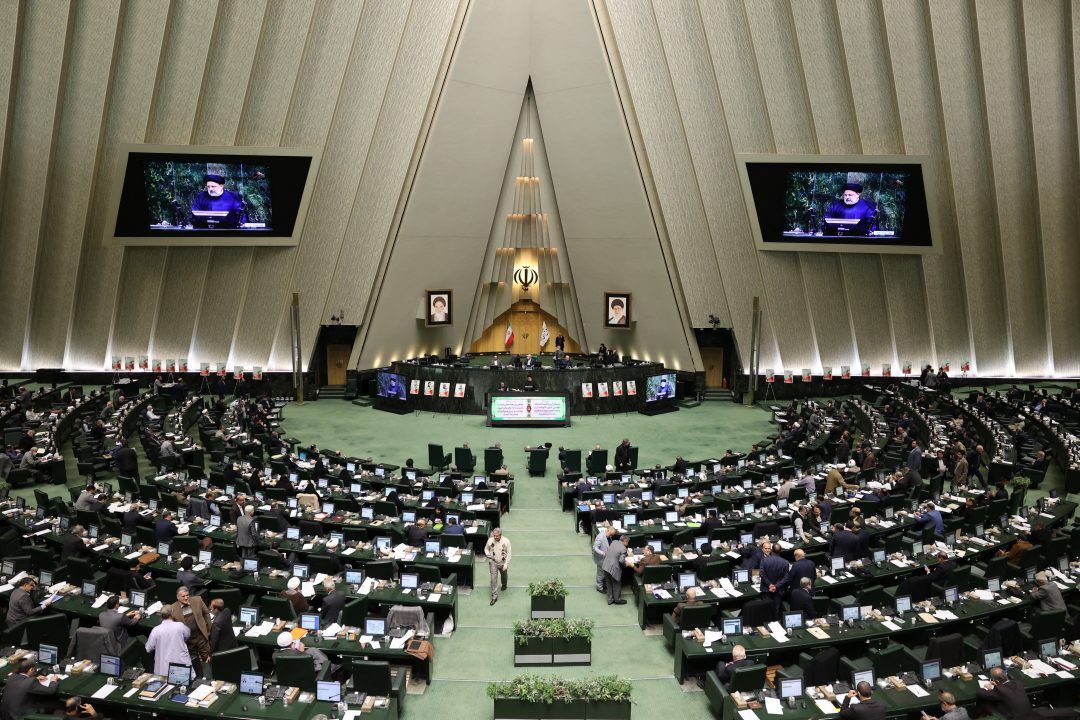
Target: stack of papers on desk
<point>748,714</point>
<point>331,631</point>
<point>348,551</point>
<point>893,627</point>
<point>712,636</point>
<point>945,615</point>
<point>104,691</point>
<point>475,506</point>
<point>100,601</point>
<point>201,692</point>
<point>156,607</point>
<point>773,706</point>
<point>365,587</point>
<point>778,632</point>
<point>829,579</point>
<point>661,594</point>
<point>434,597</point>
<point>917,690</point>
<point>470,531</point>
<point>827,707</point>
<point>261,629</point>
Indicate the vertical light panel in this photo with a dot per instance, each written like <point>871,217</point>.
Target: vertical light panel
<point>914,79</point>
<point>964,115</point>
<point>43,29</point>
<point>281,42</point>
<point>182,71</point>
<point>1051,41</point>
<point>660,121</point>
<point>349,142</point>
<point>330,38</point>
<point>687,53</point>
<point>1001,50</point>
<point>132,88</point>
<point>78,138</point>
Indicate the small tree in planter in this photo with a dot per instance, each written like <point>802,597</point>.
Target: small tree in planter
<point>548,599</point>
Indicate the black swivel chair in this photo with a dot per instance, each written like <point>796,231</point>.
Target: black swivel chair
<point>374,678</point>
<point>747,678</point>
<point>538,462</point>
<point>464,460</point>
<point>437,459</point>
<point>227,665</point>
<point>298,670</point>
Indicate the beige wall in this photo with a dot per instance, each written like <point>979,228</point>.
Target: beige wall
<point>644,105</point>
<point>985,89</point>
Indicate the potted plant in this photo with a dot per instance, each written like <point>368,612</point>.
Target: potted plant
<point>548,599</point>
<point>553,641</point>
<point>607,697</point>
<point>529,697</point>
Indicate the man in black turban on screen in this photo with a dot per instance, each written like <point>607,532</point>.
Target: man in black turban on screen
<point>215,207</point>
<point>855,215</point>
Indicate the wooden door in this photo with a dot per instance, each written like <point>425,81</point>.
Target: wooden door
<point>713,358</point>
<point>337,362</point>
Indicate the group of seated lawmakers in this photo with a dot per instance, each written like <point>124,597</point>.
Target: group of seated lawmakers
<point>340,559</point>
<point>879,536</point>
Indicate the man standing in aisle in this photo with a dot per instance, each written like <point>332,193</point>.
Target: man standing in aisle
<point>614,561</point>
<point>599,550</point>
<point>497,551</point>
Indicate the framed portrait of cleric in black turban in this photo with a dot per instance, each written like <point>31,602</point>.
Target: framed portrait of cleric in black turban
<point>617,310</point>
<point>440,308</point>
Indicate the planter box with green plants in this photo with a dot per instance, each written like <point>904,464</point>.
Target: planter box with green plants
<point>548,599</point>
<point>531,697</point>
<point>553,641</point>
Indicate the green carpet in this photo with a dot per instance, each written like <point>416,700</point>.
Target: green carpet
<point>544,541</point>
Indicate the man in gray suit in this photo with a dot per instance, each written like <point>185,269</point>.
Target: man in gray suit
<point>21,604</point>
<point>1047,593</point>
<point>614,560</point>
<point>246,531</point>
<point>118,622</point>
<point>914,459</point>
<point>599,550</point>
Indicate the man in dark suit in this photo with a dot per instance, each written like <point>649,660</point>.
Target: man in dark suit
<point>773,571</point>
<point>711,522</point>
<point>222,636</point>
<point>187,576</point>
<point>803,567</point>
<point>867,709</point>
<point>74,546</point>
<point>738,659</point>
<point>165,529</point>
<point>802,598</point>
<point>844,543</point>
<point>622,456</point>
<point>333,603</point>
<point>24,692</point>
<point>940,572</point>
<point>127,462</point>
<point>1004,697</point>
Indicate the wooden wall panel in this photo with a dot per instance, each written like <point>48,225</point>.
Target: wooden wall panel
<point>959,81</point>
<point>912,66</point>
<point>85,90</point>
<point>1051,42</point>
<point>356,114</point>
<point>694,81</point>
<point>182,72</point>
<point>873,97</point>
<point>43,30</point>
<point>1001,49</point>
<point>132,88</point>
<point>780,73</point>
<point>330,38</point>
<point>408,95</point>
<point>218,112</point>
<point>281,43</point>
<point>669,160</point>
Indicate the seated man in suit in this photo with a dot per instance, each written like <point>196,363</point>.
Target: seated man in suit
<point>24,691</point>
<point>691,599</point>
<point>1004,696</point>
<point>1047,593</point>
<point>333,603</point>
<point>187,576</point>
<point>940,573</point>
<point>118,622</point>
<point>867,708</point>
<point>802,598</point>
<point>738,659</point>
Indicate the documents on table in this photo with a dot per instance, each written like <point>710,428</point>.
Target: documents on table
<point>748,714</point>
<point>104,691</point>
<point>917,690</point>
<point>826,707</point>
<point>773,706</point>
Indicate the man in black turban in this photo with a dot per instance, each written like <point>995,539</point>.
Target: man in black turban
<point>852,214</point>
<point>215,207</point>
